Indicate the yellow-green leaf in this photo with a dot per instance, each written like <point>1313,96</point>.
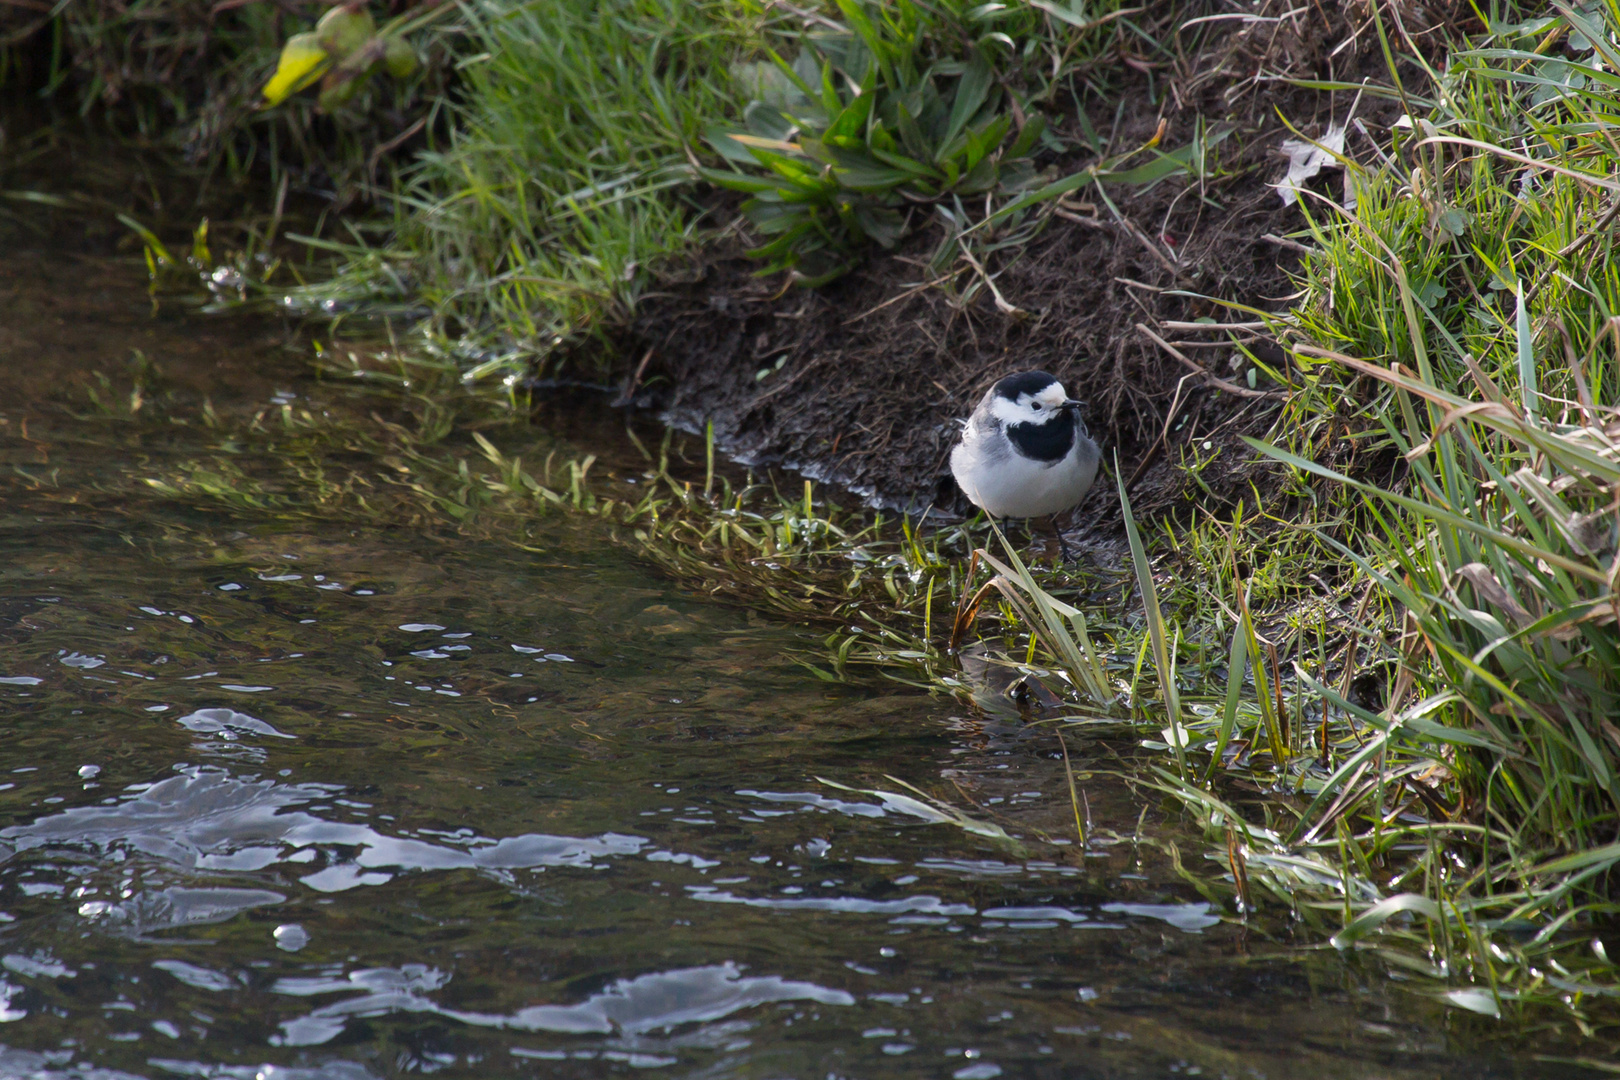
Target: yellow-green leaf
<point>303,60</point>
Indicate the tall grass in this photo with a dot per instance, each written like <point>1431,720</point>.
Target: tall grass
<point>1475,288</point>
<point>1464,315</point>
<point>557,190</point>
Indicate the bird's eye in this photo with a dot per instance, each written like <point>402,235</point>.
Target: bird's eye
<point>1036,406</point>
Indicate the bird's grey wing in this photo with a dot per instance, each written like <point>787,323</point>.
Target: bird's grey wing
<point>985,437</point>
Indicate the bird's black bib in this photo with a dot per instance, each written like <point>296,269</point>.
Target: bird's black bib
<point>1046,442</point>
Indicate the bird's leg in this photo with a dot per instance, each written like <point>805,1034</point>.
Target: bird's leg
<point>1063,543</point>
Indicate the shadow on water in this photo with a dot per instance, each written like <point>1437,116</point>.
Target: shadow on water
<point>295,800</point>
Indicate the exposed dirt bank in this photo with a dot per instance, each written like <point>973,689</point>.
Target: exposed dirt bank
<point>863,378</point>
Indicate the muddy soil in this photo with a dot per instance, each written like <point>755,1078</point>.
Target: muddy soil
<point>860,382</point>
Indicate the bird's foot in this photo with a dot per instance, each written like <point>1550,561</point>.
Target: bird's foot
<point>1064,550</point>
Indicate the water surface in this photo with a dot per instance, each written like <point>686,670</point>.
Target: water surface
<point>286,799</point>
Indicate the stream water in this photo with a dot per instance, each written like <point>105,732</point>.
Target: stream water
<point>288,800</point>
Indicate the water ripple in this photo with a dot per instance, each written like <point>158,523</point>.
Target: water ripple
<point>662,1000</point>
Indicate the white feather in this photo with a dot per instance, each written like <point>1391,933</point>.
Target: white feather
<point>998,478</point>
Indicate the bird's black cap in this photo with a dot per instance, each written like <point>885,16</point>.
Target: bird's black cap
<point>1025,382</point>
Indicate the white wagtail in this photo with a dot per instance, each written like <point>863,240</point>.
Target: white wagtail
<point>1025,452</point>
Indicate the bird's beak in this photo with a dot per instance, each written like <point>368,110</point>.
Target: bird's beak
<point>1072,404</point>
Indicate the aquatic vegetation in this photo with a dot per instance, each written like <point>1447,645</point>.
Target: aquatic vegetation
<point>1312,802</point>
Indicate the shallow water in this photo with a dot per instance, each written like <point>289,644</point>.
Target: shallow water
<point>287,800</point>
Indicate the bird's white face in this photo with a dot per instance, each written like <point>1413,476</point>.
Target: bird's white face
<point>1030,408</point>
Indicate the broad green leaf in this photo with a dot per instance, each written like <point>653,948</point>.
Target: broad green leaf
<point>1027,138</point>
<point>829,90</point>
<point>790,228</point>
<point>906,164</point>
<point>736,181</point>
<point>807,274</point>
<point>859,172</point>
<point>757,142</point>
<point>978,142</point>
<point>795,72</point>
<point>911,136</point>
<point>971,90</point>
<point>979,179</point>
<point>850,122</point>
<point>792,169</point>
<point>767,121</point>
<point>764,82</point>
<point>880,140</point>
<point>1154,171</point>
<point>880,223</point>
<point>855,16</point>
<point>727,147</point>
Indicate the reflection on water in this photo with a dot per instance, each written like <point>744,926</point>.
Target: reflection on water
<point>300,802</point>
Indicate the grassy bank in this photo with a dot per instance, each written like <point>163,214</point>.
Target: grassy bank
<point>1385,680</point>
<point>594,142</point>
<point>1457,331</point>
<point>562,184</point>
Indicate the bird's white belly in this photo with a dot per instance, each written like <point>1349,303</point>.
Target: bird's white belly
<point>1010,486</point>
